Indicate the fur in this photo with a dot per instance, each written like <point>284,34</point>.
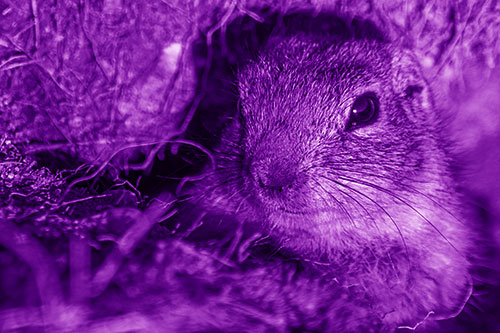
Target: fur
<point>375,206</point>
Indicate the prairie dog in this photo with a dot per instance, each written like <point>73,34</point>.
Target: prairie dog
<point>337,154</point>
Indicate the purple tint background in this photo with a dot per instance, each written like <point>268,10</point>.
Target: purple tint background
<point>91,88</point>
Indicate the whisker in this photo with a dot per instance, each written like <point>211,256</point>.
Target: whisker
<point>209,190</point>
<point>229,160</point>
<point>359,204</point>
<point>236,193</point>
<point>377,204</point>
<point>411,188</point>
<point>228,153</point>
<point>219,171</point>
<point>338,202</point>
<point>381,189</point>
<point>241,203</point>
<point>390,163</point>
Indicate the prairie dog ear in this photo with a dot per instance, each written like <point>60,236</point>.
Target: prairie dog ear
<point>410,86</point>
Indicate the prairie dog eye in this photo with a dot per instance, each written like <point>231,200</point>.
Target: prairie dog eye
<point>364,111</point>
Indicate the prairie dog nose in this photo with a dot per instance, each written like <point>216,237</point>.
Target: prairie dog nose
<point>275,173</point>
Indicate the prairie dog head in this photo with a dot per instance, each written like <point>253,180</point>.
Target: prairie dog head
<point>337,152</point>
<point>339,146</point>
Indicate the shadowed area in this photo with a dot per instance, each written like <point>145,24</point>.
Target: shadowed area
<point>112,113</point>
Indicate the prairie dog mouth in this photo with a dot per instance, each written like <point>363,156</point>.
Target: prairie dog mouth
<point>295,212</point>
<point>302,212</point>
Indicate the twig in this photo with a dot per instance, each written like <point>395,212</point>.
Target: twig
<point>250,13</point>
<point>221,22</point>
<point>412,328</point>
<point>10,162</point>
<point>82,8</point>
<point>18,64</point>
<point>79,254</point>
<point>122,182</point>
<point>35,255</point>
<point>194,178</point>
<point>129,322</point>
<point>20,32</point>
<point>195,225</point>
<point>12,59</point>
<point>208,63</point>
<point>102,167</point>
<point>34,9</point>
<point>66,203</point>
<point>144,165</point>
<point>18,318</point>
<point>144,221</point>
<point>242,250</point>
<point>235,241</point>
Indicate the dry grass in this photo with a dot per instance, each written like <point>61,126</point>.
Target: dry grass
<point>108,81</point>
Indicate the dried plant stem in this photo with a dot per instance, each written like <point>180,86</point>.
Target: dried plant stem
<point>79,252</point>
<point>34,9</point>
<point>35,255</point>
<point>143,222</point>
